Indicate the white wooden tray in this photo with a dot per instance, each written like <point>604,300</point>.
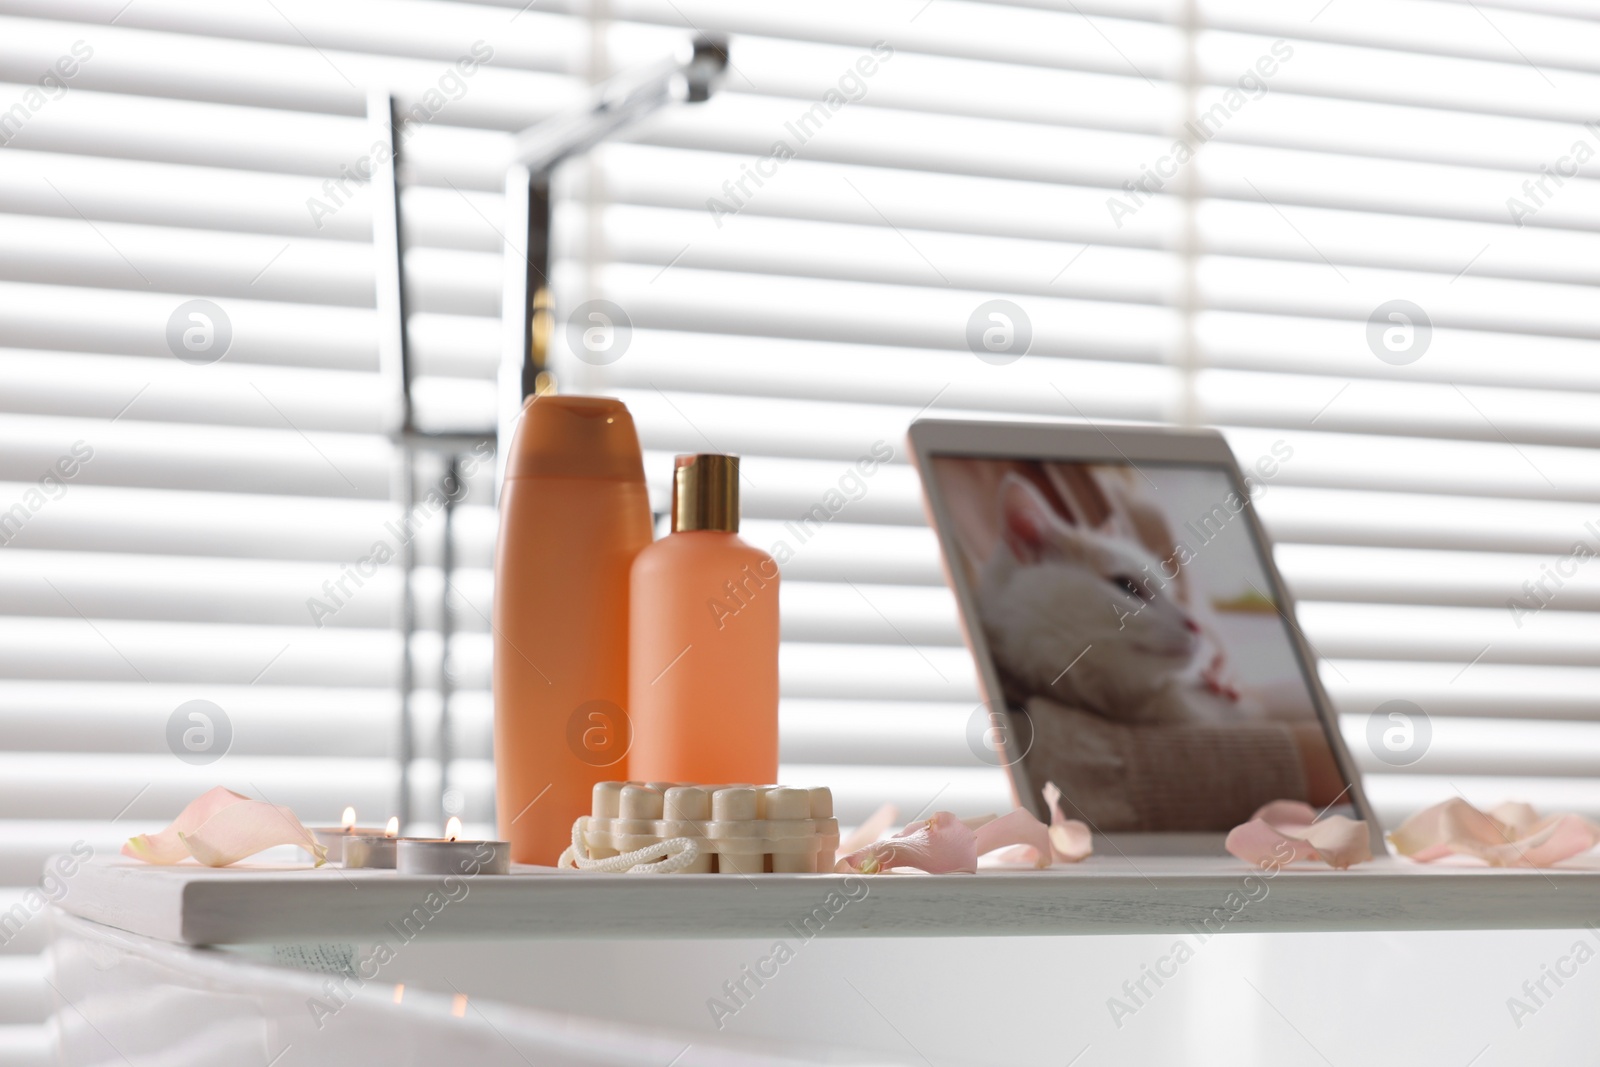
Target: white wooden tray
<point>1103,895</point>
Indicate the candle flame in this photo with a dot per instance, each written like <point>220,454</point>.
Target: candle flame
<point>393,828</point>
<point>349,818</point>
<point>399,992</point>
<point>458,1007</point>
<point>452,829</point>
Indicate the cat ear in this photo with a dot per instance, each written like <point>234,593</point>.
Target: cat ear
<point>1024,518</point>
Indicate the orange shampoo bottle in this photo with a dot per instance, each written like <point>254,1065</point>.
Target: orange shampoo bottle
<point>574,513</point>
<point>703,670</point>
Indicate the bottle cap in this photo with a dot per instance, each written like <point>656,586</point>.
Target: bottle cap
<point>705,493</point>
<point>575,437</point>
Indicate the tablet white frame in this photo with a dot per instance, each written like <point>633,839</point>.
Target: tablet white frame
<point>1068,442</point>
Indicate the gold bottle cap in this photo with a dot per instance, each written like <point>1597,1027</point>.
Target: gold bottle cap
<point>705,493</point>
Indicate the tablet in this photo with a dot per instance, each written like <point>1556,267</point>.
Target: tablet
<point>1134,643</point>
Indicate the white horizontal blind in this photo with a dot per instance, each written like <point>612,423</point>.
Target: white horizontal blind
<point>970,152</point>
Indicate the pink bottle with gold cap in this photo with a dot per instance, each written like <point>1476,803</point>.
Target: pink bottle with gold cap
<point>703,680</point>
<point>573,515</point>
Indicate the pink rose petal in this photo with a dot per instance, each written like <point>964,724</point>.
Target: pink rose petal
<point>1340,842</point>
<point>1260,844</point>
<point>1285,831</point>
<point>1016,827</point>
<point>945,844</point>
<point>1286,813</point>
<point>245,828</point>
<point>1435,832</point>
<point>870,829</point>
<point>220,827</point>
<point>1516,814</point>
<point>940,844</point>
<point>1070,839</point>
<point>1512,836</point>
<point>167,847</point>
<point>1555,839</point>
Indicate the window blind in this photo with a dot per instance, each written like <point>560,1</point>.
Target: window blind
<point>1205,211</point>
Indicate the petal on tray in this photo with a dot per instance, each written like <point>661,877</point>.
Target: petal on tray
<point>248,827</point>
<point>939,844</point>
<point>1016,828</point>
<point>1512,835</point>
<point>167,846</point>
<point>1070,838</point>
<point>1284,831</point>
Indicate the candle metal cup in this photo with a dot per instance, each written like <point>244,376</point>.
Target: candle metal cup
<point>440,856</point>
<point>334,837</point>
<point>372,851</point>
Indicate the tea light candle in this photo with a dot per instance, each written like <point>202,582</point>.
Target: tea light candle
<point>373,850</point>
<point>333,837</point>
<point>448,855</point>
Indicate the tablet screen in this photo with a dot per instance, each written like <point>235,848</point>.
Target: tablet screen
<point>1145,665</point>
